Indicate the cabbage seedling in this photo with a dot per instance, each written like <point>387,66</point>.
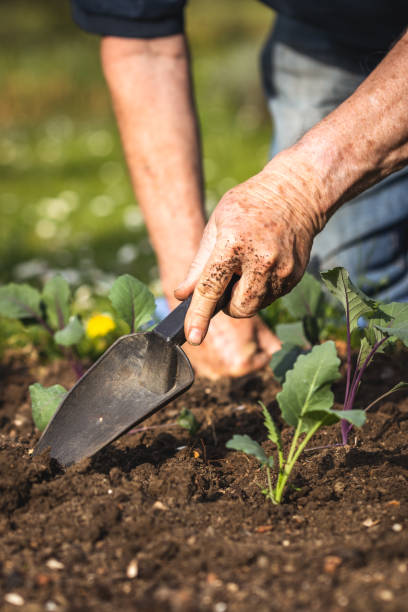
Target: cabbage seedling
<point>306,404</point>
<point>130,298</point>
<point>385,324</point>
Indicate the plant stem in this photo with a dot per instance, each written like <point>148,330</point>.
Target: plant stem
<point>293,456</point>
<point>348,347</point>
<point>345,426</point>
<point>270,487</point>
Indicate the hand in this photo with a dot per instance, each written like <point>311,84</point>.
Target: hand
<point>262,230</point>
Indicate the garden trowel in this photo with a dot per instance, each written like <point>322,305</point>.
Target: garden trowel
<point>136,376</point>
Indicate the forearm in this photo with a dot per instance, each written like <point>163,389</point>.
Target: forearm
<point>151,91</point>
<point>364,140</point>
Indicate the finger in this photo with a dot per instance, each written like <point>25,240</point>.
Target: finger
<point>248,295</point>
<point>209,289</point>
<point>207,244</point>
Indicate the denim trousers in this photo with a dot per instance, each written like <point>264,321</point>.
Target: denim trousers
<point>307,75</point>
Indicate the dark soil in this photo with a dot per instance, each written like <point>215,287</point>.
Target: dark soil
<point>162,521</point>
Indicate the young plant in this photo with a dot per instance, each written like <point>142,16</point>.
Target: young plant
<point>49,309</point>
<point>385,324</point>
<point>306,404</point>
<point>312,315</point>
<point>130,298</point>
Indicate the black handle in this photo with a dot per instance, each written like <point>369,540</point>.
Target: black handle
<point>172,327</point>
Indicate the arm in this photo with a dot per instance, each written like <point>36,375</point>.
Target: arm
<point>150,85</point>
<point>263,229</point>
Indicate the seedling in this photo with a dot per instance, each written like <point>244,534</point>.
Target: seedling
<point>188,421</point>
<point>313,318</point>
<point>130,299</point>
<point>384,325</point>
<point>306,404</point>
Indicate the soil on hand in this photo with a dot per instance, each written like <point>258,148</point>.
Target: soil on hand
<point>162,521</point>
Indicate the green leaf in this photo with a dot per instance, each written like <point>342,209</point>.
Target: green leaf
<point>273,431</point>
<point>19,301</point>
<point>307,298</point>
<point>307,387</point>
<point>71,334</point>
<point>339,284</point>
<point>291,333</point>
<point>356,417</point>
<point>56,296</point>
<point>188,421</point>
<point>44,403</point>
<point>388,320</point>
<point>132,300</point>
<point>282,361</point>
<point>248,446</point>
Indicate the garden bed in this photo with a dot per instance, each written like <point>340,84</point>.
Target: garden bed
<point>163,521</point>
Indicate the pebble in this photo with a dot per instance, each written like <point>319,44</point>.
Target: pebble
<point>158,505</point>
<point>370,523</point>
<point>132,569</point>
<point>386,595</point>
<point>262,562</point>
<point>286,543</point>
<point>14,599</point>
<point>54,564</point>
<point>220,606</point>
<point>339,487</point>
<point>397,527</point>
<point>331,563</point>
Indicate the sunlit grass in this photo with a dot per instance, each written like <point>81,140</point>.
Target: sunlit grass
<point>65,200</point>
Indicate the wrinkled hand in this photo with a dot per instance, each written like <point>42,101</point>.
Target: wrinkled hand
<point>261,230</point>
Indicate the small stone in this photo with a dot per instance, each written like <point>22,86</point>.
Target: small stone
<point>50,606</point>
<point>339,487</point>
<point>342,600</point>
<point>232,587</point>
<point>286,543</point>
<point>54,564</point>
<point>132,569</point>
<point>386,595</point>
<point>331,563</point>
<point>402,567</point>
<point>297,518</point>
<point>158,505</point>
<point>262,562</point>
<point>110,491</point>
<point>191,540</point>
<point>397,527</point>
<point>14,599</point>
<point>220,606</point>
<point>370,523</point>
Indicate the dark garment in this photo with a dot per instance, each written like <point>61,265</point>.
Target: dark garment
<point>360,24</point>
<point>130,18</point>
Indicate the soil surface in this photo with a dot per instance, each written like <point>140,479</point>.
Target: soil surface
<point>163,521</point>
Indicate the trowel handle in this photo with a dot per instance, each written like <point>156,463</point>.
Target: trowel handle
<point>172,327</point>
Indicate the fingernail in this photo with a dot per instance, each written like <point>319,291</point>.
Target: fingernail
<point>194,336</point>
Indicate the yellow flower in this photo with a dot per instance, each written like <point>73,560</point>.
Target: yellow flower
<point>99,325</point>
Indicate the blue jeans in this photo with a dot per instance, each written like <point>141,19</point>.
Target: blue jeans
<point>306,76</point>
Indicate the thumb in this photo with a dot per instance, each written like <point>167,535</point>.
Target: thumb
<point>207,244</point>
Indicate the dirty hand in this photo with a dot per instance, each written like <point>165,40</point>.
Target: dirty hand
<point>262,230</point>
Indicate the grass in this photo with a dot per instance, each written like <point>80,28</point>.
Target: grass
<point>66,201</point>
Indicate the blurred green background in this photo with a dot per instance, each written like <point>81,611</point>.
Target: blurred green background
<point>65,201</point>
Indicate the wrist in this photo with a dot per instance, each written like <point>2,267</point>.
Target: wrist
<point>298,183</point>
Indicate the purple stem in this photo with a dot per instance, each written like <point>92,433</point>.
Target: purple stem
<point>348,350</point>
<point>345,426</point>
